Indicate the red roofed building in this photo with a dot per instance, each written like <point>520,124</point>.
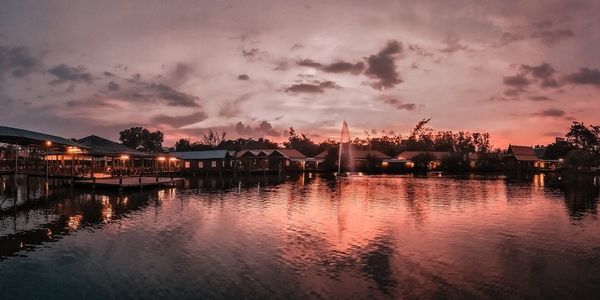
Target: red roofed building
<point>521,158</point>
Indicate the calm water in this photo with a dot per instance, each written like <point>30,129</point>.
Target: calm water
<point>306,237</point>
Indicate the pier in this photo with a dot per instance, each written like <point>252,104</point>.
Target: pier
<point>128,182</point>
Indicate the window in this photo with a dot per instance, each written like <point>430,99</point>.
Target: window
<point>200,164</point>
<point>287,163</point>
<point>213,163</point>
<point>187,164</point>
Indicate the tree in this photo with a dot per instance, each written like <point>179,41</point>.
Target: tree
<point>423,161</point>
<point>301,143</point>
<point>142,139</point>
<point>582,137</point>
<point>183,145</point>
<point>213,138</point>
<point>580,159</point>
<point>454,162</point>
<point>489,161</point>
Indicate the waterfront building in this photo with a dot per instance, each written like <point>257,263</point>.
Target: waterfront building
<point>521,158</point>
<point>205,162</point>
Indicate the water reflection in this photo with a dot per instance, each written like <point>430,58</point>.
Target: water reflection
<point>312,236</point>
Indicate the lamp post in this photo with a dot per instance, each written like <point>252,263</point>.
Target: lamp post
<point>48,145</point>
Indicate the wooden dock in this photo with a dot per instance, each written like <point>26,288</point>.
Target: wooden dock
<point>129,182</point>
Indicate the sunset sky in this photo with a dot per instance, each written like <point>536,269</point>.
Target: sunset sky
<point>520,70</point>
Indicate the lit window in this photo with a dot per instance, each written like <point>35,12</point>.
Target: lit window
<point>213,163</point>
<point>187,164</point>
<point>287,163</point>
<point>200,164</point>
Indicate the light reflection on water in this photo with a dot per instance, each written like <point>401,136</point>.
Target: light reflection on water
<point>308,236</point>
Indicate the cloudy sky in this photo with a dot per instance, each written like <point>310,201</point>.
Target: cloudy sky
<point>520,70</point>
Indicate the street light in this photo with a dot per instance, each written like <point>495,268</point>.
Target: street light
<point>48,145</point>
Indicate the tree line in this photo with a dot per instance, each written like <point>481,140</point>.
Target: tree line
<point>579,149</point>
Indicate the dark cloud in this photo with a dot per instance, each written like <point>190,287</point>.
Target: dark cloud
<point>398,104</point>
<point>585,76</point>
<point>243,77</point>
<point>109,74</point>
<point>173,97</point>
<point>517,81</point>
<point>179,121</point>
<point>18,61</point>
<point>508,38</point>
<point>311,88</point>
<point>112,86</point>
<point>540,98</point>
<point>420,51</point>
<point>546,31</point>
<point>552,112</point>
<point>553,36</point>
<point>264,128</point>
<point>296,47</point>
<point>543,72</point>
<point>542,76</point>
<point>336,67</point>
<point>65,73</point>
<point>453,44</point>
<point>382,66</point>
<point>250,53</point>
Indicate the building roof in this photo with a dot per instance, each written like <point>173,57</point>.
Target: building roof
<point>291,153</point>
<point>522,153</point>
<point>201,155</point>
<point>27,138</point>
<point>102,146</point>
<point>322,154</point>
<point>409,155</point>
<point>363,154</point>
<point>254,152</point>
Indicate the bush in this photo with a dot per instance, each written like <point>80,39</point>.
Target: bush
<point>423,161</point>
<point>455,162</point>
<point>581,159</point>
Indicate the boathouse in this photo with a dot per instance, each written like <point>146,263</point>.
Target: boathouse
<point>521,158</point>
<point>204,162</point>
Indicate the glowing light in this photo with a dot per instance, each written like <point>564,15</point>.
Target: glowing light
<point>410,164</point>
<point>173,158</point>
<point>124,157</point>
<point>162,158</point>
<point>385,164</point>
<point>74,222</point>
<point>48,143</point>
<point>73,150</point>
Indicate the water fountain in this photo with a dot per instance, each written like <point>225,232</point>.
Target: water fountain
<point>345,157</point>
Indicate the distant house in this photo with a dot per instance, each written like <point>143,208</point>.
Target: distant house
<point>271,160</point>
<point>408,156</point>
<point>362,159</point>
<point>521,158</point>
<point>202,162</point>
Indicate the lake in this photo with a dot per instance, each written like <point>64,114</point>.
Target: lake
<point>309,236</point>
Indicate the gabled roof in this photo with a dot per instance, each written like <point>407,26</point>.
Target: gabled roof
<point>409,155</point>
<point>25,138</point>
<point>201,155</point>
<point>255,152</point>
<point>102,146</point>
<point>291,153</point>
<point>322,154</point>
<point>522,153</point>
